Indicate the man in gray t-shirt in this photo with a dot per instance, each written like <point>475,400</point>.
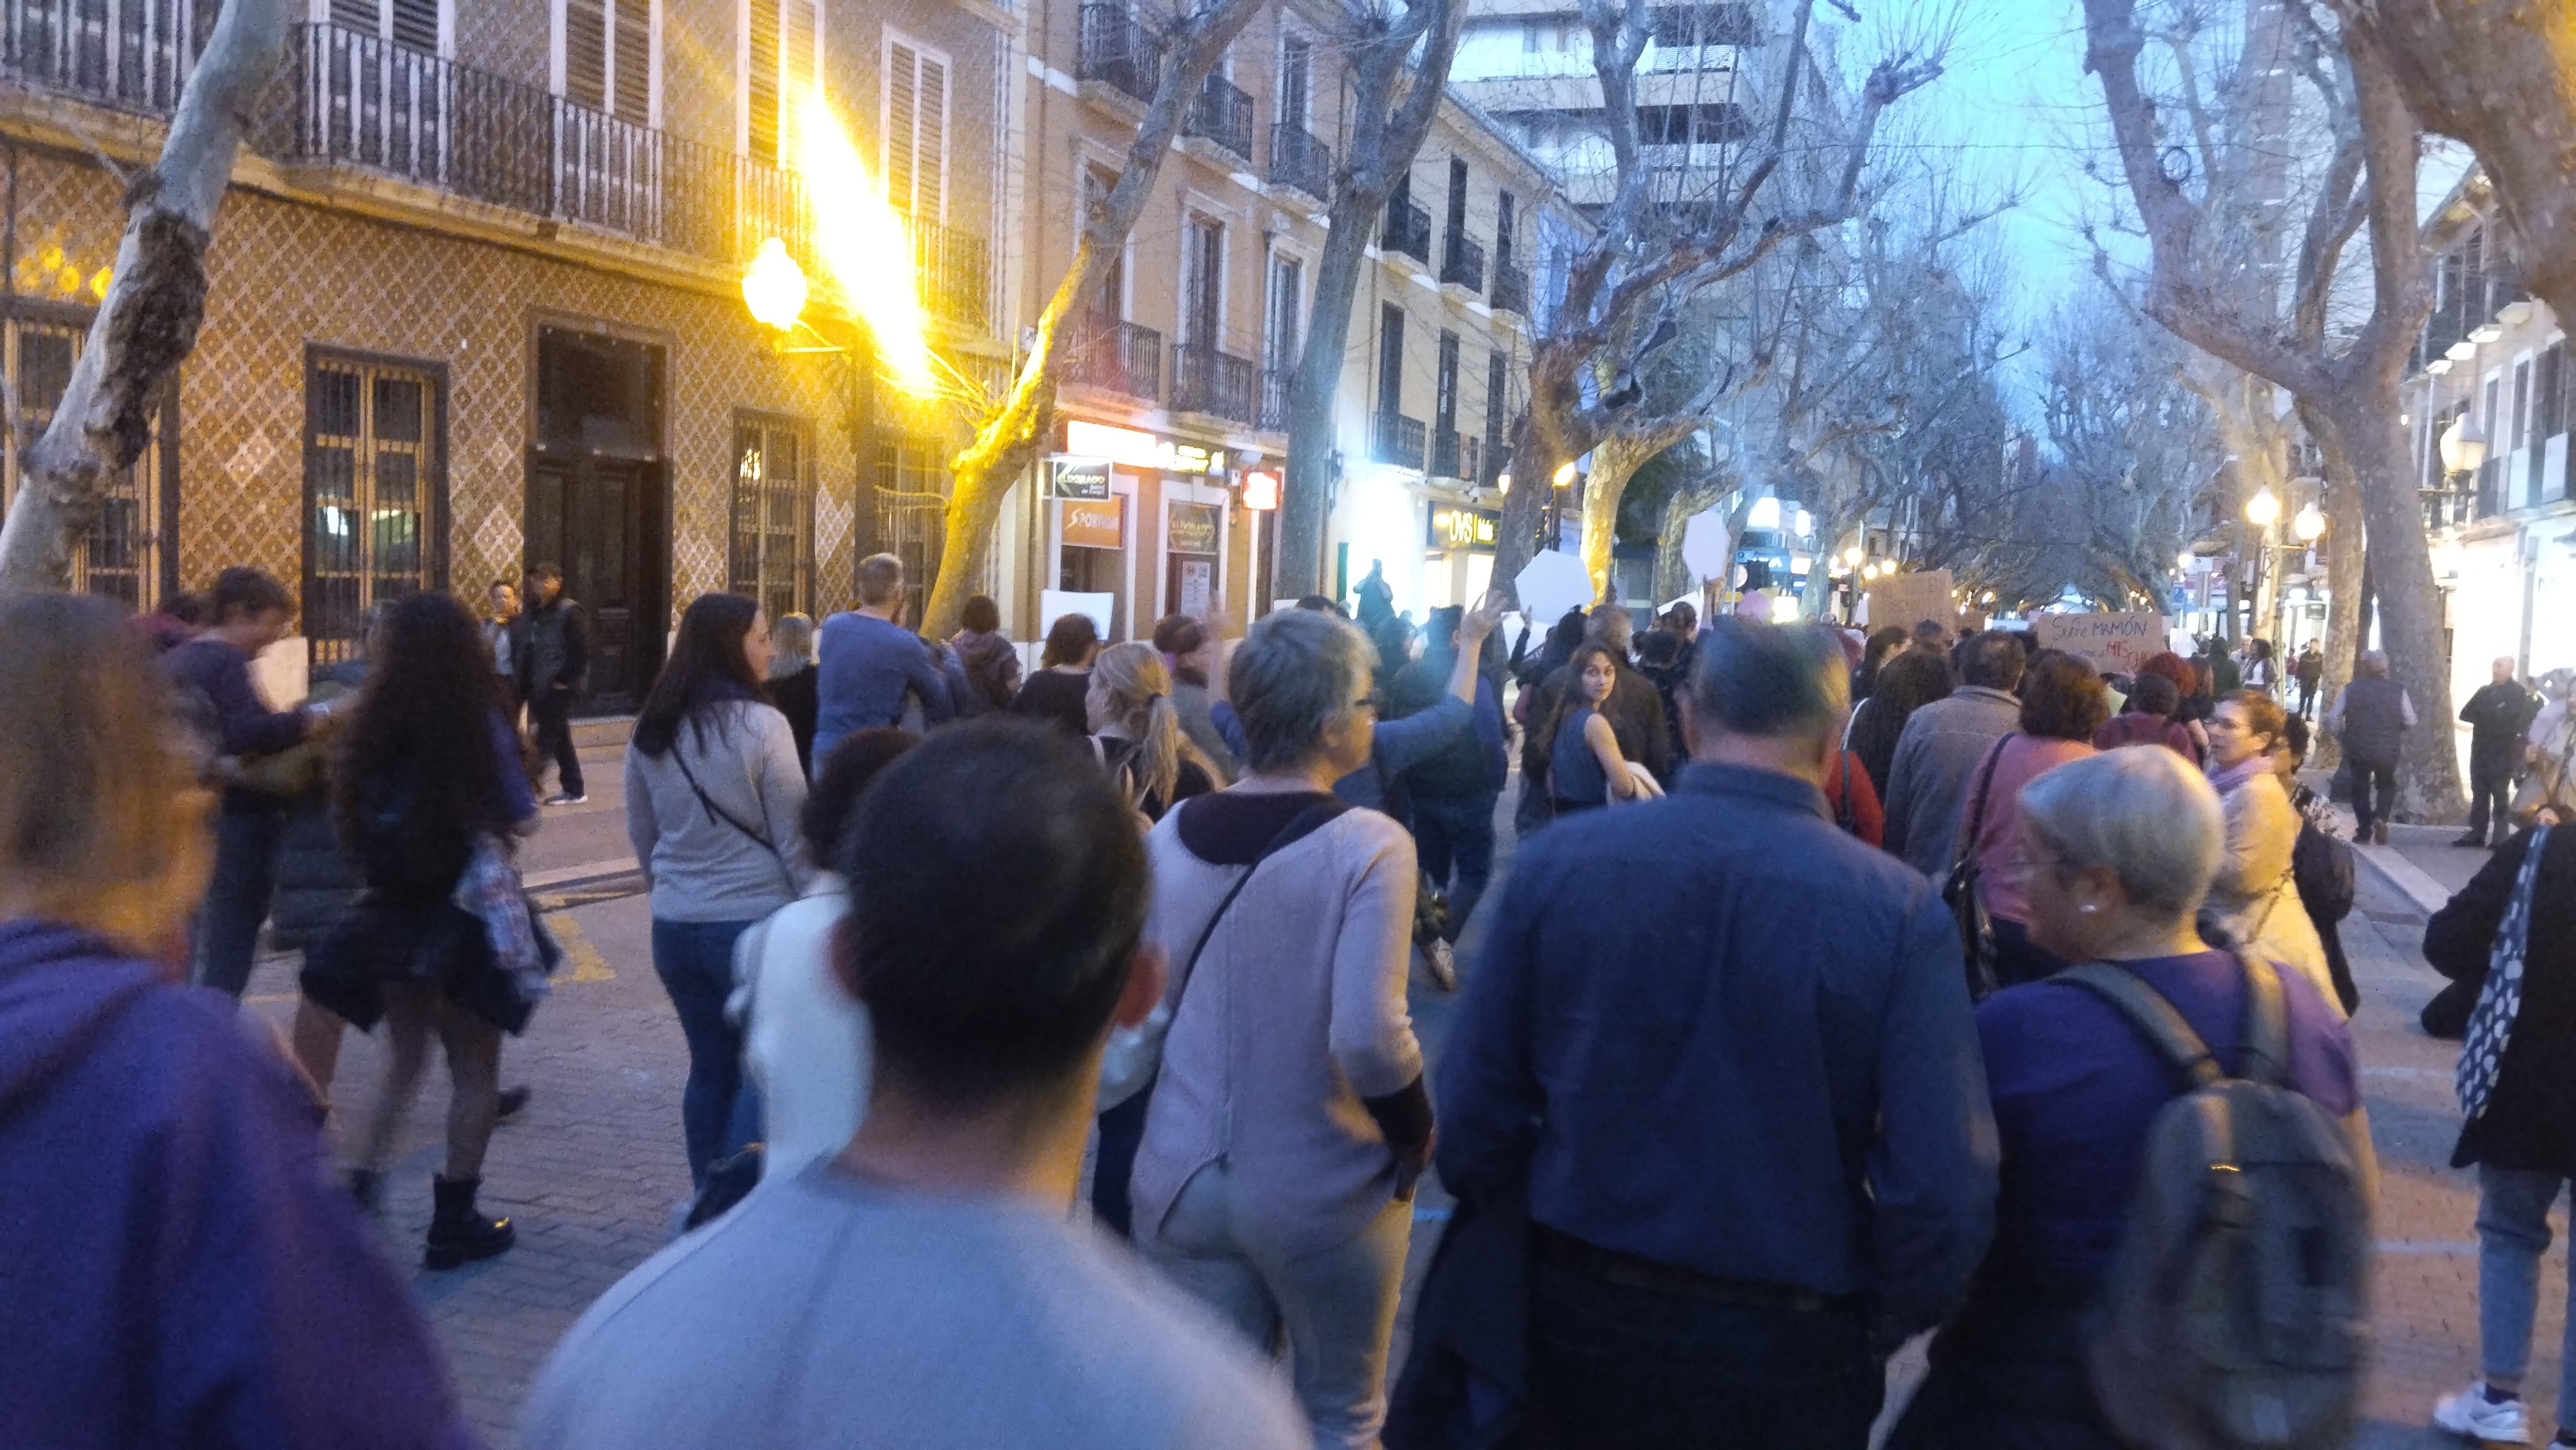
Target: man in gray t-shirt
<point>927,1289</point>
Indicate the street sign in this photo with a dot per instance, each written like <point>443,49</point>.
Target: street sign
<point>2118,643</point>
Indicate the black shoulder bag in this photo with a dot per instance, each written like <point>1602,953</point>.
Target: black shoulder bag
<point>1966,902</point>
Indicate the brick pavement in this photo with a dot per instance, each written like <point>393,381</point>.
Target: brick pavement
<point>594,1171</point>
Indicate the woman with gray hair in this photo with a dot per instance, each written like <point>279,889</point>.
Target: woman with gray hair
<point>1289,1121</point>
<point>2254,898</point>
<point>2120,847</point>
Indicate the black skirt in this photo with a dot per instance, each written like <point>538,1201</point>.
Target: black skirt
<point>390,938</point>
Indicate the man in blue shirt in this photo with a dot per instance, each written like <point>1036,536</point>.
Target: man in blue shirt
<point>867,659</point>
<point>1727,1053</point>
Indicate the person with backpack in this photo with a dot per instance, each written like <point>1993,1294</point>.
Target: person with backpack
<point>1136,734</point>
<point>2321,865</point>
<point>713,791</point>
<point>1189,650</point>
<point>990,661</point>
<point>2120,848</point>
<point>2510,936</point>
<point>2062,705</point>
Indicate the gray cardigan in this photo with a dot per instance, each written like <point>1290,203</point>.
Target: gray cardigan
<point>701,865</point>
<point>1295,1014</point>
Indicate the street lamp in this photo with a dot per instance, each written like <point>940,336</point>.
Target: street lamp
<point>2464,445</point>
<point>2310,525</point>
<point>2182,561</point>
<point>773,287</point>
<point>2263,509</point>
<point>1851,557</point>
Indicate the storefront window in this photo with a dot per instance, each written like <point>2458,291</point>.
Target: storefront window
<point>1190,558</point>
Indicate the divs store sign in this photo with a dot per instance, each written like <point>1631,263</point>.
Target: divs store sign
<point>1454,528</point>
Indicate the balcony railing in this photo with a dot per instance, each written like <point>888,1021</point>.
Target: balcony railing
<point>133,56</point>
<point>1471,458</point>
<point>1274,400</point>
<point>1511,289</point>
<point>1408,230</point>
<point>1496,462</point>
<point>1462,262</point>
<point>1222,113</point>
<point>1120,356</point>
<point>1397,439</point>
<point>1297,159</point>
<point>1119,51</point>
<point>955,271</point>
<point>1207,381</point>
<point>1444,453</point>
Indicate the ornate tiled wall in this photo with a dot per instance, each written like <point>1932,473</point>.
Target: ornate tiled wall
<point>283,275</point>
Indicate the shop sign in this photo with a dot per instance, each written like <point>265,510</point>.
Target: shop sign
<point>1130,446</point>
<point>1080,477</point>
<point>1261,491</point>
<point>1189,458</point>
<point>1193,528</point>
<point>1454,528</point>
<point>1095,523</point>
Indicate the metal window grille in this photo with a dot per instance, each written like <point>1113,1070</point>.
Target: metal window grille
<point>124,554</point>
<point>912,487</point>
<point>773,514</point>
<point>373,490</point>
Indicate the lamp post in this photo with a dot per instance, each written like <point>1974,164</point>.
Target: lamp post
<point>2263,511</point>
<point>774,291</point>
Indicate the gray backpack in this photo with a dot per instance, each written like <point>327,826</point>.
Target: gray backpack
<point>2236,1313</point>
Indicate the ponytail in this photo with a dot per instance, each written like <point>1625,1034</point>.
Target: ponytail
<point>1140,693</point>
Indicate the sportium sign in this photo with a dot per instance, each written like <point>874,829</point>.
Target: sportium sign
<point>1080,477</point>
<point>1095,524</point>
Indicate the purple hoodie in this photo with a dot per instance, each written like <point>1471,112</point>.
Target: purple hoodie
<point>175,1266</point>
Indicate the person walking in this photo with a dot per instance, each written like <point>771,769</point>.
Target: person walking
<point>1376,599</point>
<point>211,674</point>
<point>552,654</point>
<point>2510,934</point>
<point>177,1272</point>
<point>2225,675</point>
<point>1454,789</point>
<point>1289,1122</point>
<point>1904,685</point>
<point>2309,671</point>
<point>2321,864</point>
<point>990,661</point>
<point>930,1284</point>
<point>501,637</point>
<point>2062,707</point>
<point>2497,716</point>
<point>2371,718</point>
<point>1062,685</point>
<point>2121,848</point>
<point>1634,709</point>
<point>795,681</point>
<point>1189,652</point>
<point>1725,1053</point>
<point>1943,743</point>
<point>2259,671</point>
<point>428,783</point>
<point>1136,733</point>
<point>2254,900</point>
<point>1585,769</point>
<point>2149,720</point>
<point>869,662</point>
<point>713,791</point>
<point>1884,644</point>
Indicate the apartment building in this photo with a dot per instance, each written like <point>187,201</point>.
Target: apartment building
<point>1173,437</point>
<point>2489,406</point>
<point>474,299</point>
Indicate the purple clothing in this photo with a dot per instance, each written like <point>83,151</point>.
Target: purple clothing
<point>2075,1088</point>
<point>2025,758</point>
<point>244,725</point>
<point>176,1267</point>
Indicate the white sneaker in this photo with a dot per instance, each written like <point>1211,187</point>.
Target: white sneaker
<point>2471,1413</point>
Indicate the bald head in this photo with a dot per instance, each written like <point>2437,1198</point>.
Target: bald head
<point>2503,668</point>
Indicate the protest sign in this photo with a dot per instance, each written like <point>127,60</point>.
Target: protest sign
<point>1905,600</point>
<point>2117,643</point>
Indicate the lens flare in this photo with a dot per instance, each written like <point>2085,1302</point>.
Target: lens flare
<point>862,243</point>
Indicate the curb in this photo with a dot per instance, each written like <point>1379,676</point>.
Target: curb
<point>2404,877</point>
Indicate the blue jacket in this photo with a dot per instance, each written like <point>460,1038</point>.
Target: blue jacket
<point>1717,1033</point>
<point>866,665</point>
<point>176,1266</point>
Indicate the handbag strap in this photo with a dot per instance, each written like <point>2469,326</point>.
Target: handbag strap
<point>1299,826</point>
<point>1977,809</point>
<point>720,813</point>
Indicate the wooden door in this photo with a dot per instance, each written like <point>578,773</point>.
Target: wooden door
<point>601,520</point>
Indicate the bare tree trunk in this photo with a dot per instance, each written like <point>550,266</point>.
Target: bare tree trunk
<point>1385,136</point>
<point>2410,605</point>
<point>1011,440</point>
<point>2343,550</point>
<point>2500,75</point>
<point>147,324</point>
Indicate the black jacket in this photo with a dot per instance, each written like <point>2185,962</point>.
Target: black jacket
<point>552,648</point>
<point>2497,715</point>
<point>2530,1121</point>
<point>1636,712</point>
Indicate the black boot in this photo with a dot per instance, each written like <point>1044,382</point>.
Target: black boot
<point>460,1233</point>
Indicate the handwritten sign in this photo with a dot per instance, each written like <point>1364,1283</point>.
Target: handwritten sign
<point>1905,600</point>
<point>2118,643</point>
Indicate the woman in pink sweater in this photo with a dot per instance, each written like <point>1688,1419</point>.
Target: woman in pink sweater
<point>2062,704</point>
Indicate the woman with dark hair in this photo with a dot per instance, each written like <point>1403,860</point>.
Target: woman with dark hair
<point>1584,766</point>
<point>990,661</point>
<point>2062,704</point>
<point>2321,864</point>
<point>1882,646</point>
<point>2149,719</point>
<point>1063,681</point>
<point>428,770</point>
<point>1189,652</point>
<point>2191,693</point>
<point>1905,684</point>
<point>713,791</point>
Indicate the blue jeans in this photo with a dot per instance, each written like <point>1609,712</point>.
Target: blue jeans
<point>225,937</point>
<point>1456,831</point>
<point>719,1112</point>
<point>2513,1232</point>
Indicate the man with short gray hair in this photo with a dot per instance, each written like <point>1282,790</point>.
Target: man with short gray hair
<point>1932,776</point>
<point>1726,1053</point>
<point>2371,718</point>
<point>2497,715</point>
<point>867,659</point>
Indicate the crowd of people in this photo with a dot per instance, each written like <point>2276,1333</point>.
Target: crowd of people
<point>1052,1073</point>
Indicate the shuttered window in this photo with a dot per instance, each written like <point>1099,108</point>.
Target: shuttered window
<point>126,555</point>
<point>615,78</point>
<point>782,58</point>
<point>411,23</point>
<point>375,492</point>
<point>916,130</point>
<point>772,557</point>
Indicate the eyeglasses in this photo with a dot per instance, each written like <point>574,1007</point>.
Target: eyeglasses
<point>1374,702</point>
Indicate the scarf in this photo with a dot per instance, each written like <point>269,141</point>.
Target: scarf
<point>2500,1000</point>
<point>2236,775</point>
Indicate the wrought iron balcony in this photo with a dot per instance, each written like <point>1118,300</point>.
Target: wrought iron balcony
<point>1207,381</point>
<point>1222,114</point>
<point>1511,289</point>
<point>1397,439</point>
<point>1496,462</point>
<point>1444,453</point>
<point>1117,355</point>
<point>1408,230</point>
<point>1119,51</point>
<point>955,272</point>
<point>1275,386</point>
<point>1462,262</point>
<point>1297,159</point>
<point>1471,458</point>
<point>131,57</point>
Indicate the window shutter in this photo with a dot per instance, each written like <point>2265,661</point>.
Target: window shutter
<point>635,60</point>
<point>760,96</point>
<point>359,15</point>
<point>586,53</point>
<point>415,24</point>
<point>796,72</point>
<point>930,151</point>
<point>903,109</point>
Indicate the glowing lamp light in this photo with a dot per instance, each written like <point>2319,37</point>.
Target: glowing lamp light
<point>863,242</point>
<point>2183,560</point>
<point>2464,445</point>
<point>2309,525</point>
<point>2263,508</point>
<point>773,287</point>
<point>1502,483</point>
<point>1565,475</point>
<point>1784,610</point>
<point>1851,557</point>
<point>1261,491</point>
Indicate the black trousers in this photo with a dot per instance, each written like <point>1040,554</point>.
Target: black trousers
<point>2371,778</point>
<point>2490,784</point>
<point>550,717</point>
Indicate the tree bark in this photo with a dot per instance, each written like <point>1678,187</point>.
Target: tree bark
<point>2410,605</point>
<point>1385,136</point>
<point>2343,551</point>
<point>147,324</point>
<point>1011,440</point>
